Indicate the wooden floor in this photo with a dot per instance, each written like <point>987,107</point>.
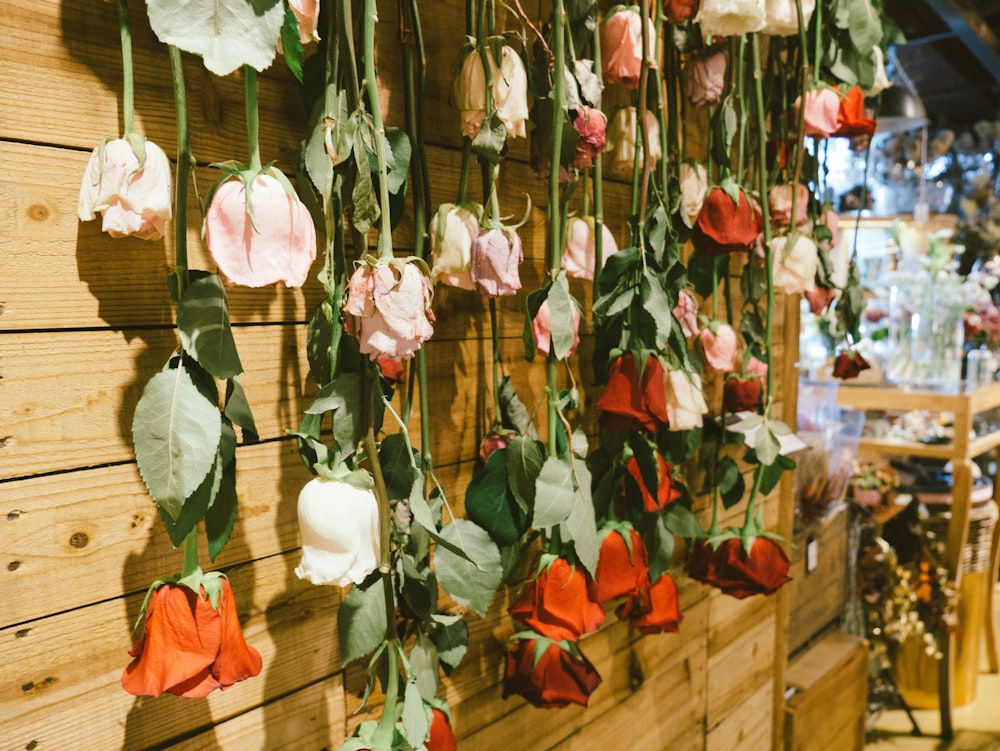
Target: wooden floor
<point>977,724</point>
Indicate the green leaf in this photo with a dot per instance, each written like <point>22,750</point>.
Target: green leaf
<point>237,409</point>
<point>416,718</point>
<point>657,304</point>
<point>361,622</point>
<point>678,519</point>
<point>490,142</point>
<point>397,466</point>
<point>221,516</point>
<point>590,84</point>
<point>204,329</point>
<point>176,433</point>
<point>291,43</point>
<point>771,473</point>
<point>399,145</point>
<point>424,665</point>
<point>561,305</point>
<point>490,503</point>
<point>452,640</point>
<point>226,33</point>
<point>318,337</point>
<point>424,516</point>
<point>342,397</point>
<point>766,445</point>
<point>470,584</point>
<point>554,493</point>
<point>730,482</point>
<point>581,526</point>
<point>515,414</point>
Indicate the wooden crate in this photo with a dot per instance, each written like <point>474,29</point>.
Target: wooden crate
<point>819,588</point>
<point>827,695</point>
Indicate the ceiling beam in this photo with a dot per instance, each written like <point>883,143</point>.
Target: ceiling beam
<point>974,32</point>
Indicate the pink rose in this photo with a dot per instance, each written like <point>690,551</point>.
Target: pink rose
<point>307,14</point>
<point>822,106</point>
<point>795,261</point>
<point>686,313</point>
<point>453,232</point>
<point>592,125</point>
<point>779,200</point>
<point>704,79</point>
<point>277,245</point>
<point>495,258</point>
<point>718,343</point>
<point>494,442</point>
<point>132,200</point>
<point>389,308</point>
<point>541,325</point>
<point>685,400</point>
<point>579,249</point>
<point>621,46</point>
<point>679,11</point>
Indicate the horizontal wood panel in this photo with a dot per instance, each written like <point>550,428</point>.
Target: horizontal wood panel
<point>747,726</point>
<point>67,666</point>
<point>754,654</point>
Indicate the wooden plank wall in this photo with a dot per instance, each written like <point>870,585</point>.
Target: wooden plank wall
<point>86,320</point>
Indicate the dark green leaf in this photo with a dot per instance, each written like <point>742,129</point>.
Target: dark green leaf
<point>490,503</point>
<point>452,640</point>
<point>361,622</point>
<point>771,473</point>
<point>221,516</point>
<point>678,519</point>
<point>401,149</point>
<point>397,466</point>
<point>204,328</point>
<point>237,409</point>
<point>291,44</point>
<point>318,338</point>
<point>561,306</point>
<point>491,141</point>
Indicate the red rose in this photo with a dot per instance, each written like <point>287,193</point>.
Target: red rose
<point>494,441</point>
<point>819,297</point>
<point>556,679</point>
<point>187,647</point>
<point>392,369</point>
<point>655,609</point>
<point>741,394</point>
<point>556,603</point>
<point>592,125</point>
<point>851,120</point>
<point>729,568</point>
<point>725,226</point>
<point>442,737</point>
<point>631,403</point>
<point>679,11</point>
<point>666,490</point>
<point>849,365</point>
<point>622,568</point>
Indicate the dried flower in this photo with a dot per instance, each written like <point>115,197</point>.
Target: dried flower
<point>133,199</point>
<point>820,117</point>
<point>686,313</point>
<point>725,18</point>
<point>260,237</point>
<point>509,90</point>
<point>779,201</point>
<point>389,308</point>
<point>623,135</point>
<point>579,249</point>
<point>621,46</point>
<point>495,257</point>
<point>795,260</point>
<point>704,78</point>
<point>592,126</point>
<point>685,400</point>
<point>655,609</point>
<point>783,17</point>
<point>694,188</point>
<point>849,364</point>
<point>453,232</point>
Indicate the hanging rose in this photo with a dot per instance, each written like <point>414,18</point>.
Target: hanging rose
<point>389,307</point>
<point>509,92</point>
<point>819,297</point>
<point>338,522</point>
<point>851,119</point>
<point>820,116</point>
<point>741,393</point>
<point>493,442</point>
<point>779,201</point>
<point>726,225</point>
<point>704,78</point>
<point>718,345</point>
<point>685,400</point>
<point>631,401</point>
<point>655,609</point>
<point>579,249</point>
<point>666,491</point>
<point>307,14</point>
<point>621,46</point>
<point>849,364</point>
<point>556,603</point>
<point>723,18</point>
<point>541,326</point>
<point>557,678</point>
<point>496,255</point>
<point>622,567</point>
<point>731,570</point>
<point>783,17</point>
<point>259,232</point>
<point>592,126</point>
<point>686,313</point>
<point>795,260</point>
<point>453,232</point>
<point>680,11</point>
<point>133,198</point>
<point>190,647</point>
<point>694,188</point>
<point>622,135</point>
<point>391,369</point>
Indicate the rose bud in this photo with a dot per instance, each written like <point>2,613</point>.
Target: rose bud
<point>307,14</point>
<point>686,313</point>
<point>556,603</point>
<point>592,125</point>
<point>680,11</point>
<point>276,243</point>
<point>493,442</point>
<point>851,120</point>
<point>557,678</point>
<point>189,647</point>
<point>718,345</point>
<point>849,365</point>
<point>694,188</point>
<point>731,570</point>
<point>134,199</point>
<point>338,523</point>
<point>666,490</point>
<point>496,255</point>
<point>820,117</point>
<point>655,609</point>
<point>579,249</point>
<point>742,394</point>
<point>509,89</point>
<point>704,79</point>
<point>389,308</point>
<point>783,17</point>
<point>621,46</point>
<point>453,232</point>
<point>723,18</point>
<point>685,400</point>
<point>725,226</point>
<point>623,135</point>
<point>633,402</point>
<point>795,261</point>
<point>541,326</point>
<point>622,567</point>
<point>779,200</point>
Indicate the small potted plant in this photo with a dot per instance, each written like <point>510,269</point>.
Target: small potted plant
<point>873,484</point>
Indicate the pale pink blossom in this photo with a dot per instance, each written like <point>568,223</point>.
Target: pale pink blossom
<point>725,18</point>
<point>579,249</point>
<point>262,238</point>
<point>686,313</point>
<point>822,106</point>
<point>495,257</point>
<point>509,89</point>
<point>621,46</point>
<point>592,125</point>
<point>779,200</point>
<point>541,325</point>
<point>783,17</point>
<point>622,135</point>
<point>453,232</point>
<point>132,199</point>
<point>795,261</point>
<point>755,367</point>
<point>718,344</point>
<point>704,79</point>
<point>389,308</point>
<point>694,188</point>
<point>685,401</point>
<point>307,14</point>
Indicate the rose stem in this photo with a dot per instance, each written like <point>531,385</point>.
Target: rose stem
<point>371,82</point>
<point>128,80</point>
<point>598,177</point>
<point>253,120</point>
